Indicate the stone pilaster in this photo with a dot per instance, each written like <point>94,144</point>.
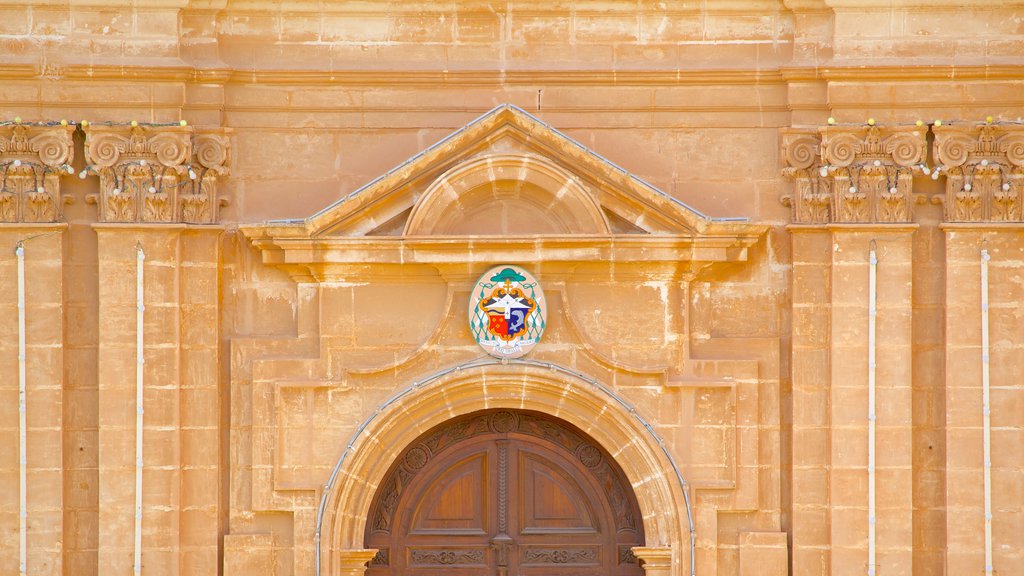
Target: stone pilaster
<point>812,283</point>
<point>965,356</point>
<point>853,189</point>
<point>848,413</point>
<point>43,253</point>
<point>180,431</point>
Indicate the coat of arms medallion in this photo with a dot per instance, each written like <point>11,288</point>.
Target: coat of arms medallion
<point>507,311</point>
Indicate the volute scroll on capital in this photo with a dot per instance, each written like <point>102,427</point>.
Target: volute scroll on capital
<point>32,158</point>
<point>157,173</point>
<point>984,169</point>
<point>853,174</point>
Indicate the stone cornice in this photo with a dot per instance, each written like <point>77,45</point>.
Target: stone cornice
<point>32,159</point>
<point>162,174</point>
<point>333,258</point>
<point>872,71</point>
<point>180,71</point>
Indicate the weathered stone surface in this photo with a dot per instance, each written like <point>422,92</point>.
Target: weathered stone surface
<point>743,345</point>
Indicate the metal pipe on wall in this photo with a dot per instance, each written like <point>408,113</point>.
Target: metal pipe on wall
<point>139,363</point>
<point>872,314</point>
<point>22,419</point>
<point>986,412</point>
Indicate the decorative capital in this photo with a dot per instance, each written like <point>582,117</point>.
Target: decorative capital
<point>32,158</point>
<point>812,202</point>
<point>984,168</point>
<point>853,174</point>
<point>156,173</point>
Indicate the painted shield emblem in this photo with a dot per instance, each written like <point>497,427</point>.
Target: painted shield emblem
<point>507,311</point>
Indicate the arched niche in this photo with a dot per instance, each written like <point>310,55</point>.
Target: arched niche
<point>506,194</point>
<point>519,387</point>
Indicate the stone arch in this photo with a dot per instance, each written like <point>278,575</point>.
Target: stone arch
<point>556,391</point>
<point>513,194</point>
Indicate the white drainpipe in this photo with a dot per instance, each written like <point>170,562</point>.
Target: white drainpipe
<point>22,420</point>
<point>986,412</point>
<point>139,361</point>
<point>872,313</point>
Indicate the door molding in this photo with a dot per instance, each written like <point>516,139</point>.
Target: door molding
<point>596,410</point>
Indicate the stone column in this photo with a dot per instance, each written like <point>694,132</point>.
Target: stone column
<point>848,400</point>
<point>158,192</point>
<point>812,283</point>
<point>44,338</point>
<point>984,205</point>
<point>33,156</point>
<point>965,526</point>
<point>181,408</point>
<point>853,189</point>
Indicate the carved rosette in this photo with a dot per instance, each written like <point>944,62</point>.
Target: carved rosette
<point>157,173</point>
<point>984,169</point>
<point>32,158</point>
<point>853,174</point>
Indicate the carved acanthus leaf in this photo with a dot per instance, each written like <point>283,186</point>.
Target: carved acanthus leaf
<point>811,203</point>
<point>984,169</point>
<point>157,173</point>
<point>859,173</point>
<point>32,158</point>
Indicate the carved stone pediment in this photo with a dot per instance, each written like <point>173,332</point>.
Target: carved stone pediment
<point>157,173</point>
<point>32,158</point>
<point>984,169</point>
<point>853,174</point>
<point>504,187</point>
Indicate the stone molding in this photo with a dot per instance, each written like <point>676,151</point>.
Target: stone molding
<point>853,174</point>
<point>353,562</point>
<point>984,169</point>
<point>32,158</point>
<point>165,174</point>
<point>656,560</point>
<point>518,387</point>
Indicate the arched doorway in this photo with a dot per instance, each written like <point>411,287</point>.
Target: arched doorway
<point>504,492</point>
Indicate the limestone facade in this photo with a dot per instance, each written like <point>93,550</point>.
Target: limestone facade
<point>753,220</point>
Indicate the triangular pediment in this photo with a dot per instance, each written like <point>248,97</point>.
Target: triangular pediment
<point>505,187</point>
<point>506,173</point>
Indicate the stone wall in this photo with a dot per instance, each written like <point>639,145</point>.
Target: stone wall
<point>259,373</point>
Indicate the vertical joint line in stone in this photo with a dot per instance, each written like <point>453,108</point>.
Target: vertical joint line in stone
<point>986,412</point>
<point>22,419</point>
<point>872,310</point>
<point>139,411</point>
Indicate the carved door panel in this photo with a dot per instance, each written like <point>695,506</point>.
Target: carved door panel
<point>506,494</point>
<point>560,526</point>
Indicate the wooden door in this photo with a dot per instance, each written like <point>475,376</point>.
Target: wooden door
<point>504,493</point>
